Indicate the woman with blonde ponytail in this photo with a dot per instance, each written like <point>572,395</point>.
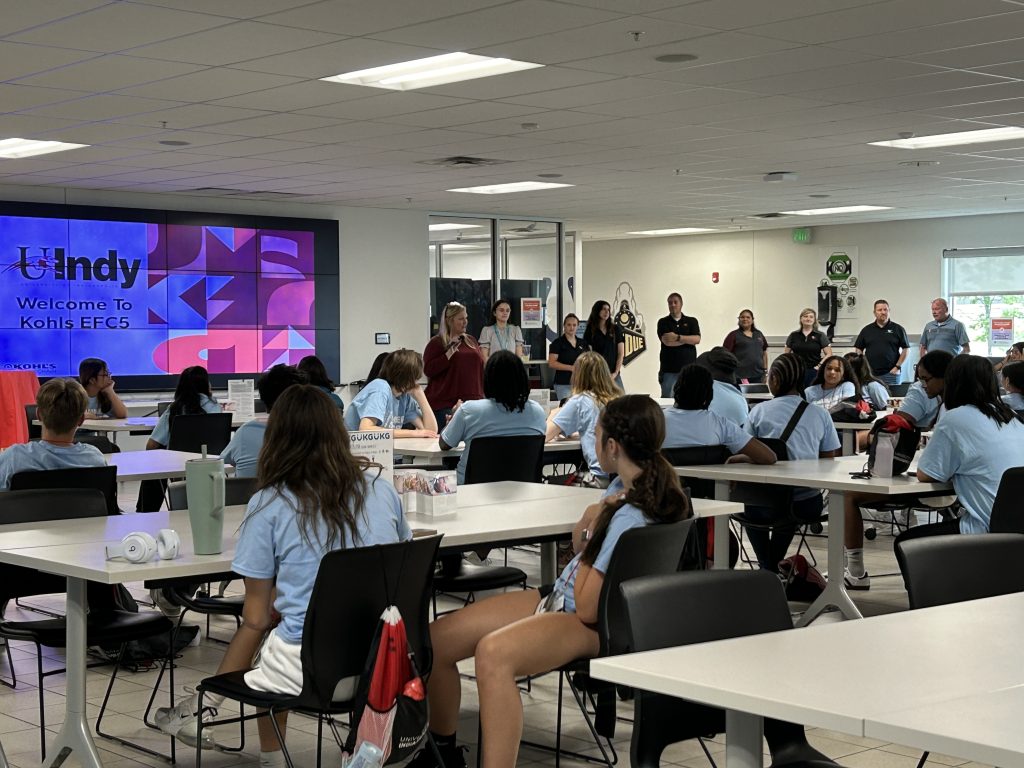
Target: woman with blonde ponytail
<point>526,633</point>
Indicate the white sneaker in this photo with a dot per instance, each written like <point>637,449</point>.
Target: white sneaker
<point>474,559</point>
<point>168,608</point>
<point>180,721</point>
<point>856,582</point>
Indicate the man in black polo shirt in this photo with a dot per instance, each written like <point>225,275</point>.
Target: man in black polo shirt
<point>885,345</point>
<point>679,337</point>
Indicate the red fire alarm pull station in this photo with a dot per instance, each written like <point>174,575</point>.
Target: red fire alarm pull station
<point>714,277</point>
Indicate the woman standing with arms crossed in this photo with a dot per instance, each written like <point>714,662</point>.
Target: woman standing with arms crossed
<point>750,347</point>
<point>453,363</point>
<point>809,344</point>
<point>502,335</point>
<point>563,354</point>
<point>606,338</point>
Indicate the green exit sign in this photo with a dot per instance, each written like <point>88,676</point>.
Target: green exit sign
<point>802,235</point>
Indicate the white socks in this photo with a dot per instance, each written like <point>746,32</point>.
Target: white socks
<point>272,759</point>
<point>855,561</point>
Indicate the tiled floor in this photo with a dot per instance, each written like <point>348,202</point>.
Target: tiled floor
<point>19,713</point>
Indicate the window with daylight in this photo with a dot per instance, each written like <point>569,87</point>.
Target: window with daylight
<point>985,287</point>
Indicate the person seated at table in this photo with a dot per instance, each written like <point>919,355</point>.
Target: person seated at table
<point>394,399</point>
<point>192,395</point>
<point>834,382</point>
<point>60,407</point>
<point>690,422</point>
<point>977,440</point>
<point>505,410</point>
<point>1013,355</point>
<point>316,374</point>
<point>592,390</point>
<point>313,496</point>
<point>244,449</point>
<point>814,436</point>
<point>1013,383</point>
<point>921,407</point>
<point>375,366</point>
<point>872,389</point>
<point>103,401</point>
<point>530,632</point>
<point>728,402</point>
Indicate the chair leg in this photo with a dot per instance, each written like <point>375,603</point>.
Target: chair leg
<point>103,709</point>
<point>608,760</point>
<point>10,663</point>
<point>923,760</point>
<point>164,664</point>
<point>272,714</point>
<point>706,752</point>
<point>42,709</point>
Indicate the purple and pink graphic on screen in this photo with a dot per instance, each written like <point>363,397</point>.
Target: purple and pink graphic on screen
<point>153,299</point>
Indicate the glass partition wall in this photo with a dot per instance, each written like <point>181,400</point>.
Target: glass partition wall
<point>475,260</point>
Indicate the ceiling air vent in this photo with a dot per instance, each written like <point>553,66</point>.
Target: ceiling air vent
<point>245,193</point>
<point>463,161</point>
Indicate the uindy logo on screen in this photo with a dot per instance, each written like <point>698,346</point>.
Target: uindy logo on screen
<point>106,270</point>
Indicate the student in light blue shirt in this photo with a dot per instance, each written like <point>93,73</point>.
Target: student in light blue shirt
<point>977,440</point>
<point>243,452</point>
<point>1013,383</point>
<point>592,390</point>
<point>834,382</point>
<point>813,437</point>
<point>873,390</point>
<point>315,371</point>
<point>505,411</point>
<point>60,406</point>
<point>728,402</point>
<point>690,423</point>
<point>394,399</point>
<point>314,497</point>
<point>508,633</point>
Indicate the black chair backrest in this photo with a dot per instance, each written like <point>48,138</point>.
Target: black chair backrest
<point>162,406</point>
<point>650,549</point>
<point>1008,508</point>
<point>513,457</point>
<point>192,431</point>
<point>754,389</point>
<point>35,431</point>
<point>103,479</point>
<point>237,490</point>
<point>340,624</point>
<point>950,569</point>
<point>34,506</point>
<point>101,443</point>
<point>693,456</point>
<point>258,406</point>
<point>899,390</point>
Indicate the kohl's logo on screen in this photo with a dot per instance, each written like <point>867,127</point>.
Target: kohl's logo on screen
<point>110,269</point>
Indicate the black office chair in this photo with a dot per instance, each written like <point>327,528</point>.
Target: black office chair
<point>103,479</point>
<point>643,551</point>
<point>1007,510</point>
<point>699,488</point>
<point>339,628</point>
<point>107,625</point>
<point>492,459</point>
<point>258,406</point>
<point>754,389</point>
<point>35,431</point>
<point>696,607</point>
<point>899,390</point>
<point>162,406</point>
<point>190,432</point>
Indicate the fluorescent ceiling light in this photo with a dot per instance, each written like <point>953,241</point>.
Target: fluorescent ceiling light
<point>677,231</point>
<point>955,139</point>
<point>840,209</point>
<point>431,71</point>
<point>451,225</point>
<point>517,186</point>
<point>464,247</point>
<point>13,149</point>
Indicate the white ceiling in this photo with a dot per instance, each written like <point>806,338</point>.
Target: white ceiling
<point>779,85</point>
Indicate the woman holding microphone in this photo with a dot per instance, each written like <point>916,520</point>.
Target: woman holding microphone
<point>453,364</point>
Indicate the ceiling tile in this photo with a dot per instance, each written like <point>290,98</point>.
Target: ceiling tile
<point>345,17</point>
<point>466,114</point>
<point>518,83</point>
<point>210,84</point>
<point>20,60</point>
<point>777,63</point>
<point>736,14</point>
<point>975,56</point>
<point>298,95</point>
<point>910,42</point>
<point>595,93</point>
<point>103,107</point>
<point>15,98</point>
<point>234,9</point>
<point>347,132</point>
<point>335,58</point>
<point>193,116</point>
<point>21,16</point>
<point>381,104</point>
<point>272,125</point>
<point>111,72</point>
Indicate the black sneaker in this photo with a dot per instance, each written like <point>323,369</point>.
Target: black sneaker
<point>453,756</point>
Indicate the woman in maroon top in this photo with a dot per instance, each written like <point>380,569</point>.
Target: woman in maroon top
<point>453,364</point>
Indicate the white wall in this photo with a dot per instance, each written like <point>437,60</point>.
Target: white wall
<point>383,261</point>
<point>767,272</point>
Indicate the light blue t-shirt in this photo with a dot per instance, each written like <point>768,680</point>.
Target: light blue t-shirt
<point>94,406</point>
<point>1015,400</point>
<point>243,452</point>
<point>377,401</point>
<point>162,430</point>
<point>270,543</point>
<point>334,398</point>
<point>487,418</point>
<point>581,414</point>
<point>918,406</point>
<point>949,335</point>
<point>684,429</point>
<point>729,403</point>
<point>816,394</point>
<point>973,451</point>
<point>627,516</point>
<point>876,394</point>
<point>38,455</point>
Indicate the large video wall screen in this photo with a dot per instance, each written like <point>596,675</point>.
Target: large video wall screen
<point>235,295</point>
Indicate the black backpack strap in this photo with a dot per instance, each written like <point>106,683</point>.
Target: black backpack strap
<point>803,406</point>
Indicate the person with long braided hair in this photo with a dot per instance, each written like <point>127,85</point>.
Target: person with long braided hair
<point>529,632</point>
<point>814,436</point>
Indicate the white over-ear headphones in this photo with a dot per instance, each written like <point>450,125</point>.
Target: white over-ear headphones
<point>141,547</point>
